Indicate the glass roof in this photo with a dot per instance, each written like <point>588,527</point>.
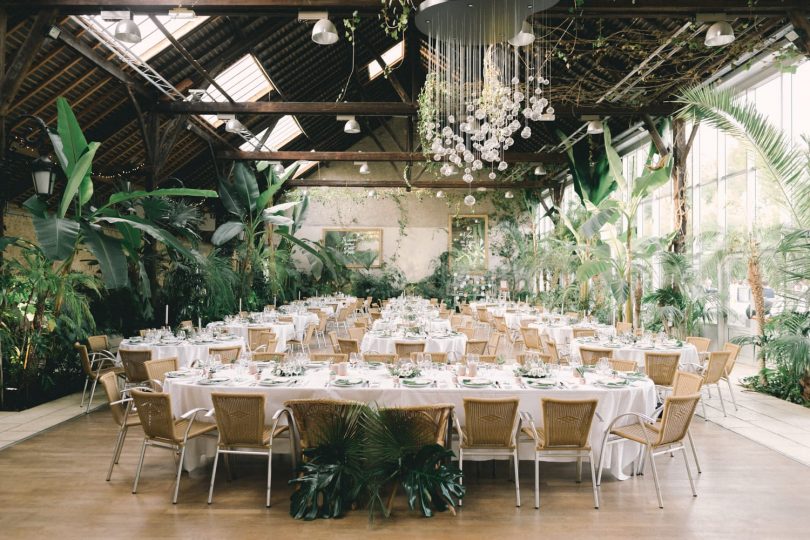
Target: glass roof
<point>284,132</point>
<point>391,57</point>
<point>244,80</point>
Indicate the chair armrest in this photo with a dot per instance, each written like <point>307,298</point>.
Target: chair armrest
<point>158,385</point>
<point>122,401</point>
<point>459,431</point>
<point>640,419</point>
<point>210,414</point>
<point>193,413</point>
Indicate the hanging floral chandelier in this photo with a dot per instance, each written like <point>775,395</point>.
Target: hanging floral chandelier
<point>487,79</point>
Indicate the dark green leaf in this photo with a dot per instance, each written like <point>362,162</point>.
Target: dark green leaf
<point>57,236</point>
<point>110,256</point>
<point>226,232</point>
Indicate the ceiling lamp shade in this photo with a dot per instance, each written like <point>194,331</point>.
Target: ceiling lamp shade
<point>364,169</point>
<point>371,194</point>
<point>278,168</point>
<point>719,34</point>
<point>440,194</point>
<point>352,126</point>
<point>540,170</point>
<point>43,174</point>
<point>524,37</point>
<point>234,126</point>
<point>508,195</point>
<point>127,31</point>
<point>324,32</point>
<point>595,127</point>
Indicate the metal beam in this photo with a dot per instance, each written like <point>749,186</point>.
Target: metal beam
<point>657,9</point>
<point>237,155</point>
<point>417,184</point>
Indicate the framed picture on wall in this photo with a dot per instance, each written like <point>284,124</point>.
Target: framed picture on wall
<point>361,247</point>
<point>469,244</point>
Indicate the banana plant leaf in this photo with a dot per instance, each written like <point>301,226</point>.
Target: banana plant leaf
<point>230,199</point>
<point>226,232</point>
<point>246,187</point>
<point>57,236</point>
<point>109,253</point>
<point>592,182</point>
<point>36,206</point>
<point>153,231</point>
<point>123,196</point>
<point>76,179</point>
<point>74,146</point>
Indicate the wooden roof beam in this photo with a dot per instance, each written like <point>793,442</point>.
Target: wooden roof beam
<point>511,157</point>
<point>440,183</point>
<point>802,26</point>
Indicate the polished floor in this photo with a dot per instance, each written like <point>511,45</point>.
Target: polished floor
<point>52,486</point>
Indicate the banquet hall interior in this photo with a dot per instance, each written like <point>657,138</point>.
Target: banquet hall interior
<point>404,269</point>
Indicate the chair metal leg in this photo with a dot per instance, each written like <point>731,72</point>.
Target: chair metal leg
<point>269,474</point>
<point>579,470</point>
<point>121,445</point>
<point>179,471</point>
<point>461,469</point>
<point>116,451</point>
<point>84,391</point>
<point>140,465</point>
<point>655,476</point>
<point>722,403</point>
<point>213,477</point>
<point>688,469</point>
<point>92,393</point>
<point>593,482</point>
<point>731,391</point>
<point>601,460</point>
<point>517,482</point>
<point>536,480</point>
<point>703,404</point>
<point>694,451</point>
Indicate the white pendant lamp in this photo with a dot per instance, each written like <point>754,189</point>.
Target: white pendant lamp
<point>324,32</point>
<point>278,168</point>
<point>595,127</point>
<point>719,34</point>
<point>127,31</point>
<point>524,37</point>
<point>352,126</point>
<point>540,170</point>
<point>364,169</point>
<point>508,195</point>
<point>440,194</point>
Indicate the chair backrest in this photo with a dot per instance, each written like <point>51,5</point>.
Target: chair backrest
<point>85,359</point>
<point>716,367</point>
<point>623,365</point>
<point>133,362</point>
<point>333,339</point>
<point>157,369</point>
<point>686,383</point>
<point>468,331</point>
<point>661,367</point>
<point>583,332</point>
<point>543,357</point>
<point>438,357</point>
<point>142,332</point>
<point>484,358</point>
<point>348,346</point>
<point>567,423</point>
<point>228,355</point>
<point>493,341</point>
<point>308,333</point>
<point>700,343</point>
<point>677,415</point>
<point>553,352</point>
<point>732,359</point>
<point>240,418</point>
<point>357,333</point>
<point>483,314</point>
<point>491,422</point>
<point>186,325</point>
<point>268,356</point>
<point>323,320</point>
<point>98,343</point>
<point>110,385</point>
<point>361,323</point>
<point>531,337</point>
<point>591,355</point>
<point>623,327</point>
<point>524,323</point>
<point>499,322</point>
<point>342,314</point>
<point>314,417</point>
<point>427,423</point>
<point>378,357</point>
<point>466,310</point>
<point>571,315</point>
<point>405,348</point>
<point>456,321</point>
<point>476,346</point>
<point>258,337</point>
<point>155,411</point>
<point>375,314</point>
<point>329,357</point>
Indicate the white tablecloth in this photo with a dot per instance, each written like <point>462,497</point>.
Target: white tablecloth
<point>186,352</point>
<point>301,321</point>
<point>284,331</point>
<point>387,345</point>
<point>689,354</point>
<point>639,397</point>
<point>436,325</point>
<point>513,320</point>
<point>564,333</point>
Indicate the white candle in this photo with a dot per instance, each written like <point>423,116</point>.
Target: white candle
<point>199,323</point>
<point>299,295</point>
<point>167,315</point>
<point>274,302</point>
<point>240,305</point>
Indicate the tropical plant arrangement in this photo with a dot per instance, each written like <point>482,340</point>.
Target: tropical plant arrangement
<point>362,453</point>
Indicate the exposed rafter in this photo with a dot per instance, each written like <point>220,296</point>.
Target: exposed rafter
<point>15,72</point>
<point>427,184</point>
<point>528,157</point>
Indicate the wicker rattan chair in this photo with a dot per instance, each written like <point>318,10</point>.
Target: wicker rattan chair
<point>713,374</point>
<point>310,420</point>
<point>122,415</point>
<point>259,339</point>
<point>157,369</point>
<point>134,369</point>
<point>378,357</point>
<point>333,340</point>
<point>475,346</point>
<point>483,359</point>
<point>564,433</point>
<point>320,329</point>
<point>468,331</point>
<point>356,333</point>
<point>662,438</point>
<point>531,339</point>
<point>579,333</point>
<point>701,343</point>
<point>661,368</point>
<point>162,430</point>
<point>490,431</point>
<point>100,346</point>
<point>430,423</point>
<point>268,356</point>
<point>553,352</point>
<point>591,355</point>
<point>329,357</point>
<point>348,346</point>
<point>227,355</point>
<point>94,368</point>
<point>493,342</point>
<point>438,357</point>
<point>686,384</point>
<point>623,328</point>
<point>242,430</point>
<point>623,365</point>
<point>732,359</point>
<point>405,348</point>
<point>305,340</point>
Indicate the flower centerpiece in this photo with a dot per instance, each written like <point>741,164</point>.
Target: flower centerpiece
<point>537,371</point>
<point>290,368</point>
<point>405,371</point>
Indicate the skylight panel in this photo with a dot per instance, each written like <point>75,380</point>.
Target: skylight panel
<point>243,81</point>
<point>284,132</point>
<point>152,39</point>
<point>304,167</point>
<point>391,57</point>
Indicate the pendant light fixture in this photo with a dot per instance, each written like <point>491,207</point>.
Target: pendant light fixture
<point>595,127</point>
<point>324,32</point>
<point>278,168</point>
<point>364,168</point>
<point>469,200</point>
<point>719,34</point>
<point>540,170</point>
<point>351,127</point>
<point>43,173</point>
<point>127,31</point>
<point>524,37</point>
<point>508,195</point>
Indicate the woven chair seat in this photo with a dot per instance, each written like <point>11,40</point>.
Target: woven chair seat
<point>467,446</point>
<point>197,429</point>
<point>103,371</point>
<point>635,432</point>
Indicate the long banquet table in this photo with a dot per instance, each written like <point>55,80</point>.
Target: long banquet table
<point>386,344</point>
<point>381,389</point>
<point>636,352</point>
<point>283,331</point>
<point>186,351</point>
